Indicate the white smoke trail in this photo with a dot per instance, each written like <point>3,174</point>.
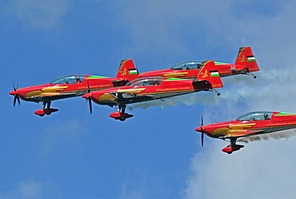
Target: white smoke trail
<point>267,83</point>
<point>276,135</point>
<point>188,100</point>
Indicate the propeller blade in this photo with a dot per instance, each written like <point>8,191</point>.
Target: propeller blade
<point>90,105</point>
<point>202,138</point>
<point>14,100</point>
<point>89,98</point>
<point>201,120</point>
<point>88,88</point>
<point>18,100</point>
<point>14,88</point>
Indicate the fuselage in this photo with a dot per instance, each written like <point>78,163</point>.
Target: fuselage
<point>66,87</point>
<point>182,70</point>
<point>275,121</point>
<point>148,89</point>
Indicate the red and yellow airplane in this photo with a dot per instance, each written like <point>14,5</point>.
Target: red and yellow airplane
<point>250,124</point>
<point>153,88</point>
<point>72,86</point>
<point>245,63</point>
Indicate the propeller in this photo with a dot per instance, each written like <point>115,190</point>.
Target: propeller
<point>87,96</point>
<point>16,95</point>
<point>202,130</point>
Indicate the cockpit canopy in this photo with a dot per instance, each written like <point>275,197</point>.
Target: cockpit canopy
<point>70,79</point>
<point>262,115</point>
<point>145,81</point>
<point>187,65</point>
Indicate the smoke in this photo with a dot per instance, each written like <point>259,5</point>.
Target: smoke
<point>188,100</point>
<point>276,135</point>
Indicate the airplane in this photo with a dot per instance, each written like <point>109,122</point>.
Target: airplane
<point>153,88</point>
<point>72,86</point>
<point>249,124</point>
<point>245,63</point>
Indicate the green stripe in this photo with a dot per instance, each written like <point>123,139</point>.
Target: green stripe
<point>175,78</point>
<point>217,62</point>
<point>96,76</point>
<point>284,114</point>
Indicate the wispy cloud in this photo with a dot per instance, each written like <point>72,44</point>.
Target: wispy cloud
<point>39,14</point>
<point>63,131</point>
<point>256,172</point>
<point>31,189</point>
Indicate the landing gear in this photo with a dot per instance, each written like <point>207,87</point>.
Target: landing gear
<point>243,71</point>
<point>247,71</point>
<point>252,75</point>
<point>232,147</point>
<point>120,113</point>
<point>46,110</point>
<point>217,92</point>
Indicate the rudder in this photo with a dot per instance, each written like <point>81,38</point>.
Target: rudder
<point>209,73</point>
<point>246,58</point>
<point>127,70</point>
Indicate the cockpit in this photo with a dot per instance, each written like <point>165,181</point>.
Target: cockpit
<point>187,65</point>
<point>262,115</point>
<point>150,81</point>
<point>70,79</point>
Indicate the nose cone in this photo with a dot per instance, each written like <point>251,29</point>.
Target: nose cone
<point>198,129</point>
<point>12,93</point>
<point>87,96</point>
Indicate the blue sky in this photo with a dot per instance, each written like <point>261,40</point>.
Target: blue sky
<point>157,153</point>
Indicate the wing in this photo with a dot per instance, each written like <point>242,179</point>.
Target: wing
<point>241,130</point>
<point>240,133</point>
<point>113,97</point>
<point>129,96</point>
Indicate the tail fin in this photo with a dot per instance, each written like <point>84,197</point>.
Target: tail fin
<point>127,70</point>
<point>210,74</point>
<point>247,59</point>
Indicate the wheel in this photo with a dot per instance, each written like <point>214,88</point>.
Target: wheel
<point>122,118</point>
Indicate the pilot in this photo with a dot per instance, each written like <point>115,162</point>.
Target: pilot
<point>78,79</point>
<point>266,116</point>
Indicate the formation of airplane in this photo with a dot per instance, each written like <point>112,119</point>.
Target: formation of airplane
<point>249,124</point>
<point>72,86</point>
<point>78,85</point>
<point>130,87</point>
<point>153,88</point>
